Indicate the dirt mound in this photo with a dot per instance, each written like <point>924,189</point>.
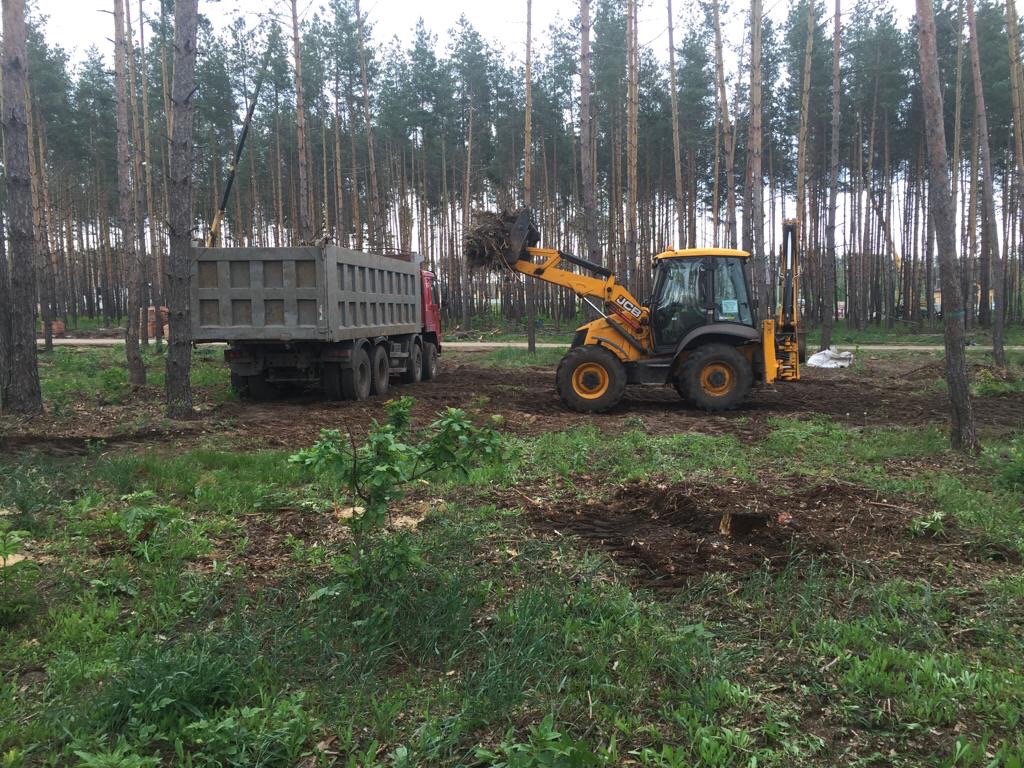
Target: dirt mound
<point>673,533</point>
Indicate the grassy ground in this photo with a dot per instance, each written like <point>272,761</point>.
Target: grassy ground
<point>199,605</point>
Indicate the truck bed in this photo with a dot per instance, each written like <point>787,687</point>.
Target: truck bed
<point>325,294</point>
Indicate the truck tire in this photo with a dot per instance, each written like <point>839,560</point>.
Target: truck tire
<point>259,388</point>
<point>381,367</point>
<point>590,379</point>
<point>429,361</point>
<point>716,377</point>
<point>355,381</point>
<point>330,380</point>
<point>414,365</point>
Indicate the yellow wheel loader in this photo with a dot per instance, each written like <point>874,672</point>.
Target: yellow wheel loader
<point>697,333</point>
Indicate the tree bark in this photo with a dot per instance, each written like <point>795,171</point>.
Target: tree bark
<point>990,257</point>
<point>587,140</point>
<point>963,435</point>
<point>179,348</point>
<point>531,285</point>
<point>828,310</point>
<point>631,135</point>
<point>376,222</point>
<point>305,225</point>
<point>677,159</point>
<point>754,146</point>
<point>126,207</point>
<point>21,393</point>
<point>728,135</point>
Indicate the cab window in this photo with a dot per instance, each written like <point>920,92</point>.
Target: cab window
<point>732,305</point>
<point>680,298</point>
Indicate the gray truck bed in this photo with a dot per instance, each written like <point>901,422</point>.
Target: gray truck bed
<point>302,294</point>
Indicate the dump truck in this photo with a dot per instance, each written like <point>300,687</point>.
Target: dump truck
<point>323,316</point>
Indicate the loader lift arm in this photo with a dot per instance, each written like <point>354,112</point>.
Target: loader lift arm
<point>626,317</point>
<point>611,299</point>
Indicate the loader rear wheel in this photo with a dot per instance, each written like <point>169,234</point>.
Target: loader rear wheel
<point>429,361</point>
<point>381,370</point>
<point>355,381</point>
<point>590,379</point>
<point>715,377</point>
<point>414,365</point>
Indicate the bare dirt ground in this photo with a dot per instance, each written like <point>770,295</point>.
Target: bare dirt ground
<point>881,390</point>
<point>670,533</point>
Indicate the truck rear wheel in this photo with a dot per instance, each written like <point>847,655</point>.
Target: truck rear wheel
<point>330,380</point>
<point>414,365</point>
<point>355,381</point>
<point>716,377</point>
<point>590,379</point>
<point>381,370</point>
<point>429,361</point>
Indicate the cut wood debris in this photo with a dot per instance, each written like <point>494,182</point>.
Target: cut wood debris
<point>487,244</point>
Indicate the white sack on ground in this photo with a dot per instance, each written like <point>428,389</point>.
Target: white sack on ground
<point>830,358</point>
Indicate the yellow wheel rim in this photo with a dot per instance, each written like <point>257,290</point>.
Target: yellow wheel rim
<point>717,379</point>
<point>590,381</point>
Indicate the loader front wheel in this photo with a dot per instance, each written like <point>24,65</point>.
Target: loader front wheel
<point>590,379</point>
<point>715,377</point>
<point>355,381</point>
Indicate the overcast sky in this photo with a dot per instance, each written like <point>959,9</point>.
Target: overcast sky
<point>77,24</point>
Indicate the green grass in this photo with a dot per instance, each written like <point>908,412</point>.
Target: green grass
<point>75,376</point>
<point>517,358</point>
<point>201,607</point>
<point>905,333</point>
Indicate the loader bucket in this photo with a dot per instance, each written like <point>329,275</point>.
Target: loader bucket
<point>498,240</point>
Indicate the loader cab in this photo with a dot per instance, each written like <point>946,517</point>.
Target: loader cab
<point>698,287</point>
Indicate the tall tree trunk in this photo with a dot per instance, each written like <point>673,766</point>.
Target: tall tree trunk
<point>754,146</point>
<point>631,136</point>
<point>179,350</point>
<point>587,140</point>
<point>21,392</point>
<point>305,224</point>
<point>139,213</point>
<point>828,311</point>
<point>376,217</point>
<point>728,135</point>
<point>531,285</point>
<point>136,369</point>
<point>805,98</point>
<point>990,231</point>
<point>963,435</point>
<point>677,158</point>
<point>155,235</point>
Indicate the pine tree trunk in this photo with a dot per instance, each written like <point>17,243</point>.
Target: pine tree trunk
<point>990,231</point>
<point>21,394</point>
<point>828,312</point>
<point>179,350</point>
<point>587,140</point>
<point>156,236</point>
<point>963,435</point>
<point>376,219</point>
<point>677,164</point>
<point>631,136</point>
<point>125,192</point>
<point>728,135</point>
<point>754,147</point>
<point>305,225</point>
<point>531,285</point>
